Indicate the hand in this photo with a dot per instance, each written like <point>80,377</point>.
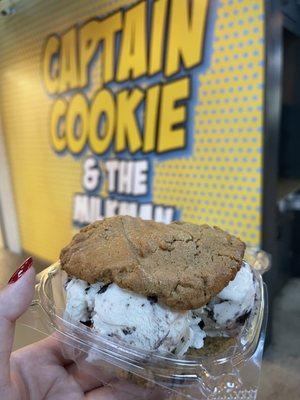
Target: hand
<point>40,371</point>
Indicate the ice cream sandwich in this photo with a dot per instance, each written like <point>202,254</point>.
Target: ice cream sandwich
<point>157,287</point>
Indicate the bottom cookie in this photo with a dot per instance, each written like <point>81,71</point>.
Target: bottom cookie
<point>213,347</point>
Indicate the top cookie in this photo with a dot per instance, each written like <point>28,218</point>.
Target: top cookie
<point>183,265</point>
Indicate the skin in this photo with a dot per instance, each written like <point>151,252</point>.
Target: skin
<point>40,371</point>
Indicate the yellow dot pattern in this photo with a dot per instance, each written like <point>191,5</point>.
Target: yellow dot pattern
<point>220,184</point>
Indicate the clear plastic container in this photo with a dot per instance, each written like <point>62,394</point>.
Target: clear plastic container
<point>231,373</point>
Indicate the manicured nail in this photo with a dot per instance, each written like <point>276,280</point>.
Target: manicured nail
<point>21,270</point>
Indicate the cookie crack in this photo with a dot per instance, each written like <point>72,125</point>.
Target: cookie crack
<point>230,257</point>
<point>184,285</point>
<point>133,249</point>
<point>171,242</point>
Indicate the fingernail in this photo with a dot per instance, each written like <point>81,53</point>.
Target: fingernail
<point>21,270</point>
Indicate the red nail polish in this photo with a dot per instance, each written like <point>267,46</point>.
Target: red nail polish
<point>21,270</point>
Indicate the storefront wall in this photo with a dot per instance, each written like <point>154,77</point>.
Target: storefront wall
<point>193,153</point>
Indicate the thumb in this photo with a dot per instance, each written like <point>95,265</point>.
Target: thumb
<point>15,298</point>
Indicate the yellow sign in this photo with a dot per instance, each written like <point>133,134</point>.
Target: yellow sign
<point>174,42</point>
<point>149,108</point>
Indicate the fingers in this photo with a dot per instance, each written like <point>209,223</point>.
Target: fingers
<point>51,350</point>
<point>46,350</point>
<point>84,377</point>
<point>123,390</point>
<point>107,393</point>
<point>15,298</point>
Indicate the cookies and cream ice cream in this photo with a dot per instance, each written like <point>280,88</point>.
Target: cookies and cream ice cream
<point>231,307</point>
<point>141,322</point>
<point>236,300</point>
<point>157,287</point>
<point>131,318</point>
